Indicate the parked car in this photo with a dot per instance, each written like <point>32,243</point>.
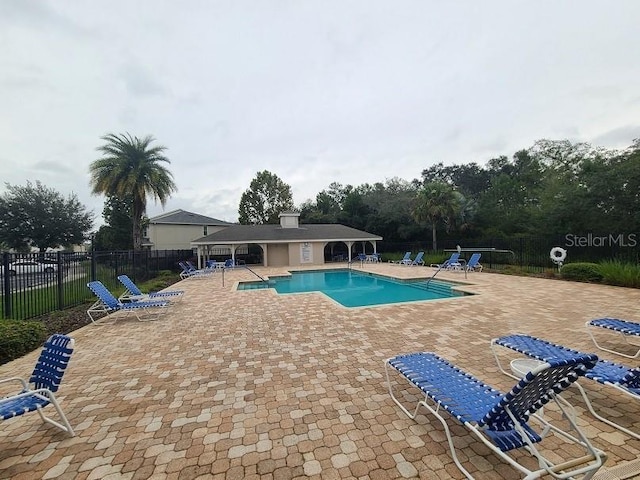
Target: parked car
<point>28,266</point>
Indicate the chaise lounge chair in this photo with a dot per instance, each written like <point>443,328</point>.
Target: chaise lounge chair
<point>45,381</point>
<point>190,271</point>
<point>623,379</point>
<point>107,303</point>
<point>418,260</point>
<point>406,260</point>
<point>134,294</point>
<point>499,420</point>
<point>452,263</point>
<point>474,263</point>
<point>624,328</point>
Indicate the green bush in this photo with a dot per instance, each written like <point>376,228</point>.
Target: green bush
<point>581,272</point>
<point>615,272</point>
<point>19,337</point>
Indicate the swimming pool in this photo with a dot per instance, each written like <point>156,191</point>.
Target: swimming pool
<point>356,289</point>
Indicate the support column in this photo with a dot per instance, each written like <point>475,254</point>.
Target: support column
<point>349,245</point>
<point>199,250</point>
<point>265,260</point>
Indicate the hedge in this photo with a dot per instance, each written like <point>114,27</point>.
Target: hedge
<point>581,272</point>
<point>19,337</point>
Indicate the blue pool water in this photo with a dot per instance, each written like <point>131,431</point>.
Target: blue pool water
<point>356,289</point>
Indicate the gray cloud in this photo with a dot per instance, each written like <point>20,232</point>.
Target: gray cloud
<point>621,137</point>
<point>316,91</point>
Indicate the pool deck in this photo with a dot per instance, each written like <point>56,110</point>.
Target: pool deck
<point>249,384</point>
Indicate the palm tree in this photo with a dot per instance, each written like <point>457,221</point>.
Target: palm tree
<point>130,167</point>
<point>436,202</point>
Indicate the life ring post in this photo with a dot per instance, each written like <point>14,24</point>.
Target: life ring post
<point>558,255</point>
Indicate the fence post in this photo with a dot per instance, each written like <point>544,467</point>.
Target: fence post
<point>521,255</point>
<point>60,280</point>
<point>6,286</point>
<point>133,264</point>
<point>93,265</point>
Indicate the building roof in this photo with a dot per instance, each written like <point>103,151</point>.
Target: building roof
<point>277,234</point>
<point>182,217</point>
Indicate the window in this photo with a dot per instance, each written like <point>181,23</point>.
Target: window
<point>205,230</point>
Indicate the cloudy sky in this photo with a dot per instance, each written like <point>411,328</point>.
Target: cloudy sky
<point>315,91</point>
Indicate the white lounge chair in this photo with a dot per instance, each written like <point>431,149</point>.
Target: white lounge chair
<point>45,380</point>
<point>628,331</point>
<point>134,294</point>
<point>619,377</point>
<point>501,421</point>
<point>107,304</point>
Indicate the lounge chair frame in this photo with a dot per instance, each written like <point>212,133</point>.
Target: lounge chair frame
<point>45,379</point>
<point>474,263</point>
<point>190,271</point>
<point>499,420</point>
<point>107,304</point>
<point>622,328</point>
<point>133,294</point>
<point>418,260</point>
<point>621,378</point>
<point>406,260</point>
<point>451,263</point>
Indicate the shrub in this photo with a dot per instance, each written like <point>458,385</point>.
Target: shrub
<point>19,337</point>
<point>581,272</point>
<point>615,272</point>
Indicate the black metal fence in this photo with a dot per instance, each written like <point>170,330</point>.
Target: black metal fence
<point>36,284</point>
<point>533,252</point>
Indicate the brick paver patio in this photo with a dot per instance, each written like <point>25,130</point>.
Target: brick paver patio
<point>249,384</point>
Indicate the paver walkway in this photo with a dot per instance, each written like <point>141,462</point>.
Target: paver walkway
<point>250,384</point>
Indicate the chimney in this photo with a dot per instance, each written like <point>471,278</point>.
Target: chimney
<point>289,219</point>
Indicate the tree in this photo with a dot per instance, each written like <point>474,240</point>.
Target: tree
<point>131,167</point>
<point>436,202</point>
<point>118,217</point>
<point>266,198</point>
<point>38,216</point>
<point>468,179</point>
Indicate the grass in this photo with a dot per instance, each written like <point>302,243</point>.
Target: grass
<point>35,302</point>
<point>615,272</point>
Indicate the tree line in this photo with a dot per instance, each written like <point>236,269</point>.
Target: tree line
<point>551,188</point>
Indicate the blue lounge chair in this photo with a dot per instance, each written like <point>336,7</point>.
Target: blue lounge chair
<point>107,303</point>
<point>134,294</point>
<point>500,420</point>
<point>418,260</point>
<point>627,330</point>
<point>228,263</point>
<point>474,263</point>
<point>452,263</point>
<point>623,379</point>
<point>190,271</point>
<point>361,257</point>
<point>43,383</point>
<point>406,260</point>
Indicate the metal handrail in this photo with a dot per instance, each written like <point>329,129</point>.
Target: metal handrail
<point>244,266</point>
<point>426,285</point>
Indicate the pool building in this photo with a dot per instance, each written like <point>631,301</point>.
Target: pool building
<point>288,244</point>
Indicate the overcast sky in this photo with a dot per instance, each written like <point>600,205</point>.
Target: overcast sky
<point>315,91</point>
